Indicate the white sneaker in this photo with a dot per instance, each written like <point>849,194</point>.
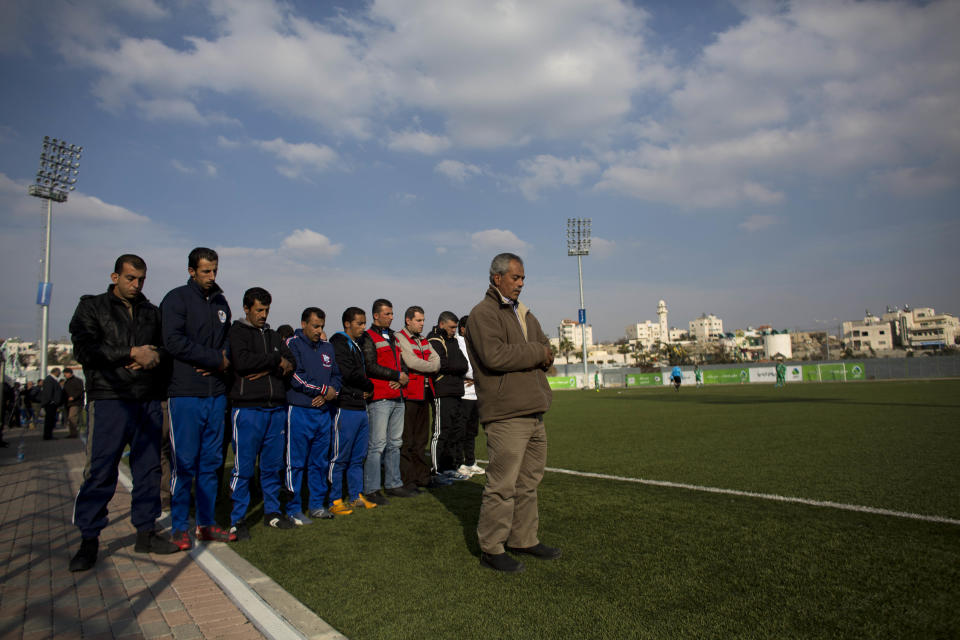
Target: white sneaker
<point>464,470</point>
<point>476,469</point>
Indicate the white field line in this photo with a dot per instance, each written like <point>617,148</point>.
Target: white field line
<point>763,496</point>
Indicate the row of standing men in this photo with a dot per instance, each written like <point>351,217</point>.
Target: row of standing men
<point>349,417</point>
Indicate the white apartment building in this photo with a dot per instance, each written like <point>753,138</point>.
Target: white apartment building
<point>706,328</point>
<point>646,333</point>
<point>918,328</point>
<point>926,328</point>
<point>870,333</point>
<point>571,330</point>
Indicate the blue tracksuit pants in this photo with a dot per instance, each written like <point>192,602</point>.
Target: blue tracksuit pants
<point>111,425</point>
<point>196,440</point>
<point>257,431</point>
<point>351,430</point>
<point>308,449</point>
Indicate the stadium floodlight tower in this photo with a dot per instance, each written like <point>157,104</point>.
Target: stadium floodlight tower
<point>59,166</point>
<point>578,244</point>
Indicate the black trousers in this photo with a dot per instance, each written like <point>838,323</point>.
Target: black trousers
<point>49,420</point>
<point>446,446</point>
<point>471,427</point>
<point>414,468</point>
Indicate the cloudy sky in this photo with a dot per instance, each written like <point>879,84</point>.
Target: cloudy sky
<point>784,163</point>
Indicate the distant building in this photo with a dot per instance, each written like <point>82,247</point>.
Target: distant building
<point>919,328</point>
<point>571,330</point>
<point>706,328</point>
<point>648,333</point>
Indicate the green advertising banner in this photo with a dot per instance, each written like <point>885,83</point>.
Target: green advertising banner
<point>643,379</point>
<point>854,371</point>
<point>563,382</point>
<point>726,376</point>
<point>833,372</point>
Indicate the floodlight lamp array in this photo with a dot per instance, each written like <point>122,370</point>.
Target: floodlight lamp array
<point>59,167</point>
<point>578,236</point>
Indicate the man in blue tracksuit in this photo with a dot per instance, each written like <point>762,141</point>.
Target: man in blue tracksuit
<point>315,382</point>
<point>196,322</point>
<point>677,377</point>
<point>258,419</point>
<point>351,427</point>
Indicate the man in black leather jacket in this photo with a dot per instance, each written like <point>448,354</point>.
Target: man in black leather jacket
<point>116,337</point>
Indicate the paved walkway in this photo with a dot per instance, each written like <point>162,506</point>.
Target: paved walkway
<point>127,594</point>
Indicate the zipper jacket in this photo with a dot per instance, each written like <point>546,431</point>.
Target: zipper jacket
<point>256,350</point>
<point>195,332</point>
<point>315,370</point>
<point>349,358</point>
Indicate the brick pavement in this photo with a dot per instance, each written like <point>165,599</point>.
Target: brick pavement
<point>126,595</point>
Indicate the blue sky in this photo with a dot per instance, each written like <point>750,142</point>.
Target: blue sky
<point>784,163</point>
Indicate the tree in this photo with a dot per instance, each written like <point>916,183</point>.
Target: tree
<point>566,347</point>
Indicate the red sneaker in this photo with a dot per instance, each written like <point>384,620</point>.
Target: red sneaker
<point>182,540</point>
<point>214,533</point>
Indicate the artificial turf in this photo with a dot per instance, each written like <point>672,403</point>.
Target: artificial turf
<point>654,562</point>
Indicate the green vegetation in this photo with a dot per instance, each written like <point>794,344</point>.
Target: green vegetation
<point>652,562</point>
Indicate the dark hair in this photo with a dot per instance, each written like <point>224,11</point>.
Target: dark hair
<point>55,370</point>
<point>463,321</point>
<point>380,303</point>
<point>67,370</point>
<point>310,311</point>
<point>350,313</point>
<point>446,316</point>
<point>255,294</point>
<point>134,261</point>
<point>409,313</point>
<point>201,253</point>
<point>285,331</point>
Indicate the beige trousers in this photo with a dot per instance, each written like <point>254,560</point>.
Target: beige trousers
<point>517,449</point>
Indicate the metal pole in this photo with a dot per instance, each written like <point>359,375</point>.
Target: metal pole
<point>45,308</point>
<point>583,325</point>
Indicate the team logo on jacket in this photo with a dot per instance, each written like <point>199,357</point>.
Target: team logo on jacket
<point>326,360</point>
<point>222,315</point>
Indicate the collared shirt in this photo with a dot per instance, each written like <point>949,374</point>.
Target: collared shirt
<point>512,303</point>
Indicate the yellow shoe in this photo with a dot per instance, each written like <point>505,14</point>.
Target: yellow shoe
<point>338,508</point>
<point>362,502</point>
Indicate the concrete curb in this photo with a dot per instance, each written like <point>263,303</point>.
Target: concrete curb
<point>275,613</point>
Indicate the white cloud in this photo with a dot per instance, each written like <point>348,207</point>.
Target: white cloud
<point>602,248</point>
<point>497,241</point>
<point>759,222</point>
<point>419,141</point>
<point>309,243</point>
<point>298,158</point>
<point>914,181</point>
<point>457,171</point>
<point>78,207</point>
<point>546,171</point>
<point>210,168</point>
<point>182,168</point>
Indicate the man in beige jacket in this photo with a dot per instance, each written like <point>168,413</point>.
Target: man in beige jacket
<point>510,356</point>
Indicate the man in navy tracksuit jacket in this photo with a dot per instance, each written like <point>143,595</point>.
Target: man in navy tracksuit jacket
<point>315,382</point>
<point>351,427</point>
<point>196,322</point>
<point>258,419</point>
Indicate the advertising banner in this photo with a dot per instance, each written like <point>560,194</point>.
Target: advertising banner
<point>726,376</point>
<point>854,370</point>
<point>643,379</point>
<point>763,374</point>
<point>563,382</point>
<point>794,373</point>
<point>688,377</point>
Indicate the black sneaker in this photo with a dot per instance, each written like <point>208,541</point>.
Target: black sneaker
<point>240,531</point>
<point>501,562</point>
<point>151,542</point>
<point>277,521</point>
<point>377,498</point>
<point>401,492</point>
<point>538,550</point>
<point>86,557</point>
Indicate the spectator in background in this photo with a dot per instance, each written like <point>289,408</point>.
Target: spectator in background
<point>468,406</point>
<point>73,389</point>
<point>446,448</point>
<point>51,397</point>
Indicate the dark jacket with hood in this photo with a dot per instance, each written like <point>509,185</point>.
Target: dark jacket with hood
<point>195,332</point>
<point>104,329</point>
<point>448,381</point>
<point>256,350</point>
<point>350,360</point>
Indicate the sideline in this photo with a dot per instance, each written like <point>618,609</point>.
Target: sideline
<point>223,565</point>
<point>762,496</point>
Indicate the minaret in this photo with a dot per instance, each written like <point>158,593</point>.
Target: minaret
<point>664,328</point>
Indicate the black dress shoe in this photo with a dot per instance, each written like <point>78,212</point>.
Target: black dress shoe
<point>538,550</point>
<point>86,557</point>
<point>377,498</point>
<point>501,562</point>
<point>152,542</point>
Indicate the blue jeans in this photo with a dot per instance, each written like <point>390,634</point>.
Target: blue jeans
<point>386,436</point>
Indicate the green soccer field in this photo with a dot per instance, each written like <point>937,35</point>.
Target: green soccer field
<point>646,561</point>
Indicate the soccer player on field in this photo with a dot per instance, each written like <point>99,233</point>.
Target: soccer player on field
<point>677,376</point>
<point>781,374</point>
